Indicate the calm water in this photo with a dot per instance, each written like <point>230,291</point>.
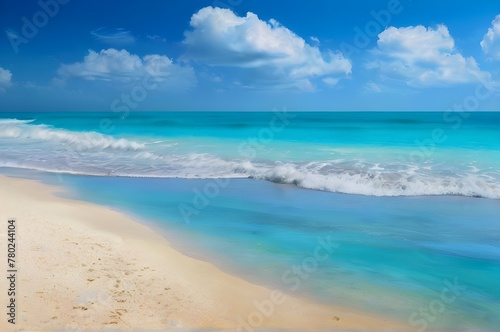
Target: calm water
<point>394,249</point>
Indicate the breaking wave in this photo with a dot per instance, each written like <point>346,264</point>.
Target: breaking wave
<point>41,147</point>
<point>80,141</point>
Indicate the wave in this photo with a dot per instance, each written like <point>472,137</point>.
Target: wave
<point>21,129</point>
<point>41,147</point>
<point>375,183</point>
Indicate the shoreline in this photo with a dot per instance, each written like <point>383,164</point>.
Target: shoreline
<point>97,268</point>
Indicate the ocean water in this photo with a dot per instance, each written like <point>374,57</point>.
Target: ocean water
<point>378,154</point>
<point>405,206</point>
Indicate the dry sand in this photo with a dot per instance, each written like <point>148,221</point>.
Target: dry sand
<point>83,266</point>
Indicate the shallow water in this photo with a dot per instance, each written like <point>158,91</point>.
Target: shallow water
<point>388,255</point>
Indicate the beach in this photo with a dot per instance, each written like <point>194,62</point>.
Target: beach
<point>82,266</point>
<point>150,227</point>
<point>250,166</point>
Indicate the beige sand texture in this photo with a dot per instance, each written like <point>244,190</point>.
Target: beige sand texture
<point>82,266</point>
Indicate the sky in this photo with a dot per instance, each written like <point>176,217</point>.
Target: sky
<point>242,55</point>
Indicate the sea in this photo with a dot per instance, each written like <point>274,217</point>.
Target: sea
<point>392,213</point>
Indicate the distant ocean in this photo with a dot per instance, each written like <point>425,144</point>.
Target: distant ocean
<point>256,193</point>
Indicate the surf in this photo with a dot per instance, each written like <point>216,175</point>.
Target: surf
<point>28,145</point>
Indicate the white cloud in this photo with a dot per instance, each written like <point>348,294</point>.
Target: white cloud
<point>5,79</point>
<point>424,57</point>
<point>156,38</point>
<point>491,40</point>
<point>268,51</point>
<point>330,81</point>
<point>383,87</point>
<point>115,65</point>
<point>373,87</point>
<point>113,37</point>
<point>315,40</point>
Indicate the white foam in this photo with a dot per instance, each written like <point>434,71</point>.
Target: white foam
<point>410,183</point>
<point>15,121</point>
<point>40,147</point>
<point>19,129</point>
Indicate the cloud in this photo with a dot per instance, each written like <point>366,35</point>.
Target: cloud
<point>379,88</point>
<point>491,40</point>
<point>156,38</point>
<point>330,81</point>
<point>424,57</point>
<point>266,51</point>
<point>315,40</point>
<point>113,37</point>
<point>373,87</point>
<point>119,65</point>
<point>5,79</point>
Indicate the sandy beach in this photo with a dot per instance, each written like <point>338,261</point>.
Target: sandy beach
<point>82,266</point>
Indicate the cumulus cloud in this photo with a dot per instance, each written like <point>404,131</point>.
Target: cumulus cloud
<point>5,79</point>
<point>491,40</point>
<point>424,57</point>
<point>120,65</point>
<point>268,51</point>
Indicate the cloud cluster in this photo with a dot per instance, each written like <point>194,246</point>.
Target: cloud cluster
<point>5,79</point>
<point>231,51</point>
<point>491,40</point>
<point>424,57</point>
<point>267,51</point>
<point>119,65</point>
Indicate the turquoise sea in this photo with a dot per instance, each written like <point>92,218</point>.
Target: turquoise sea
<point>404,205</point>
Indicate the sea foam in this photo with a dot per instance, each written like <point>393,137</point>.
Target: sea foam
<point>41,147</point>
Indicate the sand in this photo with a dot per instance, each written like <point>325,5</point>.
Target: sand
<point>83,266</point>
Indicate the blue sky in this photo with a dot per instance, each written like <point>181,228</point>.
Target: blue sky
<point>58,55</point>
